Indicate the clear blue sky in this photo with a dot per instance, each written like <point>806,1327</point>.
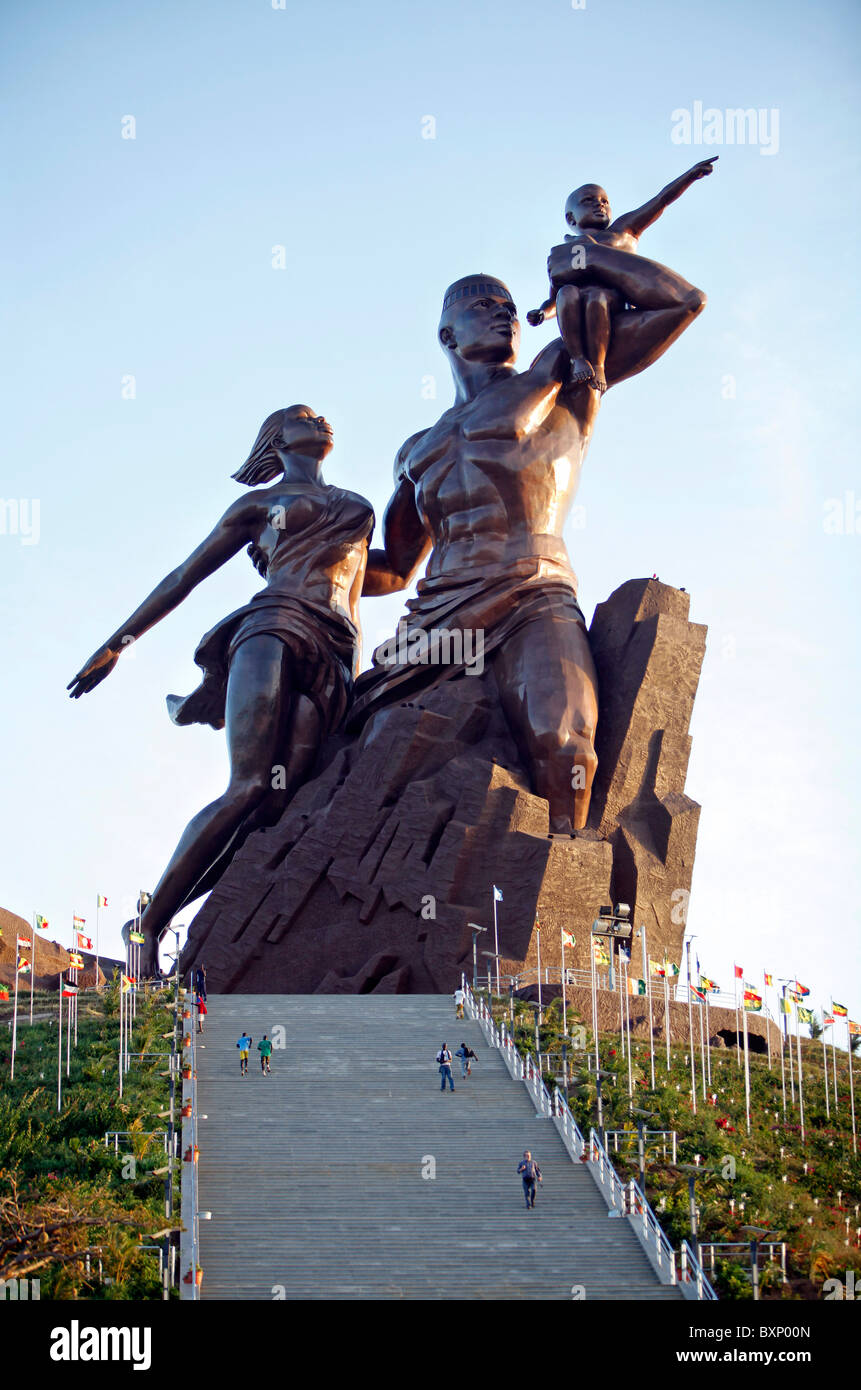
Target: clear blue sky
<point>302,128</point>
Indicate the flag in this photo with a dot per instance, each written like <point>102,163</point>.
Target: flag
<point>599,951</point>
<point>138,937</point>
<point>497,894</point>
<point>101,902</point>
<point>69,990</point>
<point>126,983</point>
<point>4,992</point>
<point>752,1001</point>
<point>794,996</point>
<point>854,1028</point>
<point>25,942</point>
<point>656,967</point>
<point>23,966</point>
<point>41,923</point>
<point>84,941</point>
<point>76,962</point>
<point>827,1020</point>
<point>839,1010</point>
<point>636,986</point>
<point>698,994</point>
<point>785,1005</point>
<point>805,1015</point>
<point>739,972</point>
<point>78,922</point>
<point>567,938</point>
<point>769,979</point>
<point>710,986</point>
<point>802,989</point>
<point>670,969</point>
<point>624,953</point>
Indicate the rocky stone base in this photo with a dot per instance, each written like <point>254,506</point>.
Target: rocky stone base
<point>370,880</point>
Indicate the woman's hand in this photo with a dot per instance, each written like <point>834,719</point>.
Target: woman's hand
<point>94,671</point>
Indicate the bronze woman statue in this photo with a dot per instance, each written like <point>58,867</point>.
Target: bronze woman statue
<point>278,673</point>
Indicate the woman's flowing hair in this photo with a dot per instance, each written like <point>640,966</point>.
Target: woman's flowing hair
<point>263,464</point>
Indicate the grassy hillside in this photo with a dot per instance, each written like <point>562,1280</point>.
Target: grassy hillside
<point>757,1179</point>
<point>62,1192</point>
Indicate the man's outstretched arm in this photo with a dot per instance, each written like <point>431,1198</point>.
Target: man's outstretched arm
<point>405,542</point>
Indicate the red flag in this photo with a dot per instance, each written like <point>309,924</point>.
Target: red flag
<point>739,973</point>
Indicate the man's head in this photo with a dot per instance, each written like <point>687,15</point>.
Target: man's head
<point>588,206</point>
<point>479,321</point>
<point>527,1153</point>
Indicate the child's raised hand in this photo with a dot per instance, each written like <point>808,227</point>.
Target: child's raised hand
<point>705,166</point>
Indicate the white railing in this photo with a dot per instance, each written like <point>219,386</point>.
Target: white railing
<point>626,1199</point>
<point>189,1240</point>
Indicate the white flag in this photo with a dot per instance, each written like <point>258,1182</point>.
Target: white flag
<point>497,894</point>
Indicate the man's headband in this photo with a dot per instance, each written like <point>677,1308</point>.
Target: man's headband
<point>471,285</point>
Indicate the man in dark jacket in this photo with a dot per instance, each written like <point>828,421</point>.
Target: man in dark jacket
<point>531,1174</point>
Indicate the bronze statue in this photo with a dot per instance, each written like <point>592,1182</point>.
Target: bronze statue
<point>486,491</point>
<point>277,672</point>
<point>608,278</point>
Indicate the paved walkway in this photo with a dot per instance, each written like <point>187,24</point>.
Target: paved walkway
<point>314,1175</point>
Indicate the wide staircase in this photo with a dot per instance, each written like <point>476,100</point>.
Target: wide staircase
<point>347,1174</point>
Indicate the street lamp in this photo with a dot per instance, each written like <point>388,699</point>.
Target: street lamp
<point>475,929</point>
<point>643,1117</point>
<point>757,1234</point>
<point>614,923</point>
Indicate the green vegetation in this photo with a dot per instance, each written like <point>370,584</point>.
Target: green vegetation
<point>757,1179</point>
<point>72,1212</point>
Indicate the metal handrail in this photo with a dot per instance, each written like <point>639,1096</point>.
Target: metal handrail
<point>628,1199</point>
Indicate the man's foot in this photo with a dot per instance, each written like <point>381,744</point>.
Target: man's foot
<point>581,370</point>
<point>598,380</point>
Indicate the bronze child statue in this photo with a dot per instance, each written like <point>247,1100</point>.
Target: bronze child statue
<point>594,287</point>
<point>278,672</point>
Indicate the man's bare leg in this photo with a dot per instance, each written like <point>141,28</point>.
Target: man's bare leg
<point>548,687</point>
<point>569,314</point>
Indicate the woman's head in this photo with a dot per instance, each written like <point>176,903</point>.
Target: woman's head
<point>293,430</point>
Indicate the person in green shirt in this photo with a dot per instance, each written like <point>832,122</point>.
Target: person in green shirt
<point>264,1047</point>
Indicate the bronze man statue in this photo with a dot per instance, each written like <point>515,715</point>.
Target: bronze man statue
<point>486,490</point>
<point>277,672</point>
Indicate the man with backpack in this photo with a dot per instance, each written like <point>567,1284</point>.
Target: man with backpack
<point>467,1057</point>
<point>264,1047</point>
<point>444,1059</point>
<point>531,1174</point>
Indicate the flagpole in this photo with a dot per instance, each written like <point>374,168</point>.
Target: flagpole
<point>60,1050</point>
<point>647,972</point>
<point>782,1075</point>
<point>667,1017</point>
<point>851,1082</point>
<point>98,904</point>
<point>708,1040</point>
<point>595,1010</point>
<point>564,1005</point>
<point>737,1028</point>
<point>122,1011</point>
<point>628,1032</point>
<point>834,1059</point>
<point>538,946</point>
<point>702,1048</point>
<point>691,1037</point>
<point>15,1008</point>
<point>789,1050</point>
<point>767,1033</point>
<point>825,1064</point>
<point>496,940</point>
<point>746,1074</point>
<point>32,962</point>
<point>800,1087</point>
<point>621,1002</point>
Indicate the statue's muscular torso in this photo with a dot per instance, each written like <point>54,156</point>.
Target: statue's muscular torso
<point>495,477</point>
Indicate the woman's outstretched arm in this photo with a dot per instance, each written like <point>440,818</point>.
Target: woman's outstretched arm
<point>235,529</point>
